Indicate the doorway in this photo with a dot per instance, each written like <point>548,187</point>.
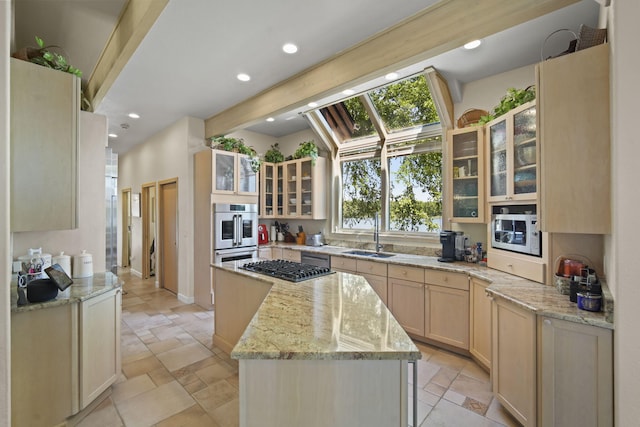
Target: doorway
<point>149,241</point>
<point>168,234</point>
<point>126,227</point>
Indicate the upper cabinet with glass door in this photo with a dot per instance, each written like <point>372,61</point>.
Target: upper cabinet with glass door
<point>304,185</point>
<point>271,190</point>
<point>466,174</point>
<point>232,173</point>
<point>512,163</point>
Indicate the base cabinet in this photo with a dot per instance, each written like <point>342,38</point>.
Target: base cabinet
<point>406,302</point>
<point>576,366</point>
<point>99,344</point>
<point>480,323</point>
<point>447,316</point>
<point>513,365</point>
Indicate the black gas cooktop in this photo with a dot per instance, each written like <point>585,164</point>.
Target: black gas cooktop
<point>287,270</point>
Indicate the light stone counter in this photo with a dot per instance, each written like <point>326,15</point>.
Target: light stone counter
<point>541,299</point>
<point>80,290</point>
<point>333,317</point>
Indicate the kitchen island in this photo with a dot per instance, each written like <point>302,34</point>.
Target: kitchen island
<point>325,351</point>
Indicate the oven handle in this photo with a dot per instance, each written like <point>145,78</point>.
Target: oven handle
<point>239,231</point>
<point>235,230</point>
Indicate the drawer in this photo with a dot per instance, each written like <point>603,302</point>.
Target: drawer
<point>290,255</point>
<point>532,269</point>
<point>371,267</point>
<point>414,274</point>
<point>447,279</point>
<point>343,263</point>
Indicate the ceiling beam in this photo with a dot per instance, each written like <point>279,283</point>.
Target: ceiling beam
<point>438,29</point>
<point>137,18</point>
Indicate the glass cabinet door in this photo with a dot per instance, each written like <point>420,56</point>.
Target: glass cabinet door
<point>467,178</point>
<point>306,188</point>
<point>224,165</point>
<point>498,159</point>
<point>291,193</point>
<point>524,151</point>
<point>248,179</point>
<point>279,208</point>
<point>267,191</point>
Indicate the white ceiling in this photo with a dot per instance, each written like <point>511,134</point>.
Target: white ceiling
<point>187,63</point>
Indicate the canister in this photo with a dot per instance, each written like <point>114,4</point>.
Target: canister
<point>64,261</point>
<point>82,265</point>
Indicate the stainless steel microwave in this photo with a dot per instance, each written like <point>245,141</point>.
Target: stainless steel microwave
<point>517,233</point>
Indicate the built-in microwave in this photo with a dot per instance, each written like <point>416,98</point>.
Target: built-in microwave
<point>517,233</point>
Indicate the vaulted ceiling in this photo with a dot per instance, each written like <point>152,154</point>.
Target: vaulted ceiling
<point>188,61</point>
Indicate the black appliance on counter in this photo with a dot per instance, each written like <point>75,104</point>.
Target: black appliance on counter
<point>287,270</point>
<point>448,240</point>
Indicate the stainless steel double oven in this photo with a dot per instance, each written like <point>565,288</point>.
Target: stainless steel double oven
<point>235,231</point>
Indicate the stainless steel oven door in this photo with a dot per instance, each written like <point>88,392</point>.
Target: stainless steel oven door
<point>234,228</point>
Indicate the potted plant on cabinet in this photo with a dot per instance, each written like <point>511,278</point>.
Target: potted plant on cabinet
<point>273,155</point>
<point>236,145</point>
<point>307,149</point>
<point>513,99</point>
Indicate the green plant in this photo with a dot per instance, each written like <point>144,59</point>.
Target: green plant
<point>236,145</point>
<point>513,99</point>
<point>45,57</point>
<point>307,149</point>
<point>273,155</point>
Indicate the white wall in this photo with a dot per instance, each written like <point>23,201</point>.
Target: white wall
<point>486,93</point>
<point>166,155</point>
<point>622,251</point>
<point>90,234</point>
<point>5,269</point>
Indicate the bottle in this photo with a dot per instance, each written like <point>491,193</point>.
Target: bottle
<point>479,251</point>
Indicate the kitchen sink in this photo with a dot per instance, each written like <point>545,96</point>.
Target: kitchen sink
<point>370,254</point>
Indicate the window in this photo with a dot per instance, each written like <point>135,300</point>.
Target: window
<point>390,149</point>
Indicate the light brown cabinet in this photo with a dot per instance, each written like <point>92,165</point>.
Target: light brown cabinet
<point>406,297</point>
<point>376,275</point>
<point>45,108</point>
<point>576,374</point>
<point>573,104</point>
<point>304,184</point>
<point>447,308</point>
<point>513,364</point>
<point>232,174</point>
<point>512,155</point>
<point>465,175</point>
<point>291,255</point>
<point>271,190</point>
<point>265,253</point>
<point>480,323</point>
<point>99,344</point>
<point>340,263</point>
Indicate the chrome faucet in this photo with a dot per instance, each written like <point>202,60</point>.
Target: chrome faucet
<point>376,231</point>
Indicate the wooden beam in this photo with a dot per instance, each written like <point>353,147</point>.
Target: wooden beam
<point>441,96</point>
<point>137,18</point>
<point>438,29</point>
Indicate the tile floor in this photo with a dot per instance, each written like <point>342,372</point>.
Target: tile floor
<point>172,374</point>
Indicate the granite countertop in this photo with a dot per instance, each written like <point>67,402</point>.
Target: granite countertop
<point>333,317</point>
<point>80,290</point>
<point>542,299</point>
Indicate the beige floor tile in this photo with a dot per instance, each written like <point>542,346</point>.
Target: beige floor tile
<point>164,345</point>
<point>151,407</point>
<point>182,356</point>
<point>214,373</point>
<point>444,377</point>
<point>450,360</point>
<point>449,414</point>
<point>496,412</point>
<point>435,389</point>
<point>470,387</point>
<point>139,367</point>
<point>195,386</point>
<point>161,376</point>
<point>227,415</point>
<point>473,370</point>
<point>215,395</point>
<point>426,372</point>
<point>454,397</point>
<point>193,416</point>
<point>104,415</point>
<point>167,332</point>
<point>131,388</point>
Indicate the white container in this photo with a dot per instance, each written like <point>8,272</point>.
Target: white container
<point>36,257</point>
<point>82,265</point>
<point>64,261</point>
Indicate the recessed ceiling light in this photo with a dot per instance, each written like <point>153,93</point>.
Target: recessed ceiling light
<point>312,104</point>
<point>391,76</point>
<point>270,119</point>
<point>243,77</point>
<point>113,135</point>
<point>290,48</point>
<point>472,45</point>
<point>290,118</point>
<point>348,92</point>
<point>134,115</point>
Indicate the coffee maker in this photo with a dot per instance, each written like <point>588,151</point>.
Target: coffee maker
<point>448,240</point>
